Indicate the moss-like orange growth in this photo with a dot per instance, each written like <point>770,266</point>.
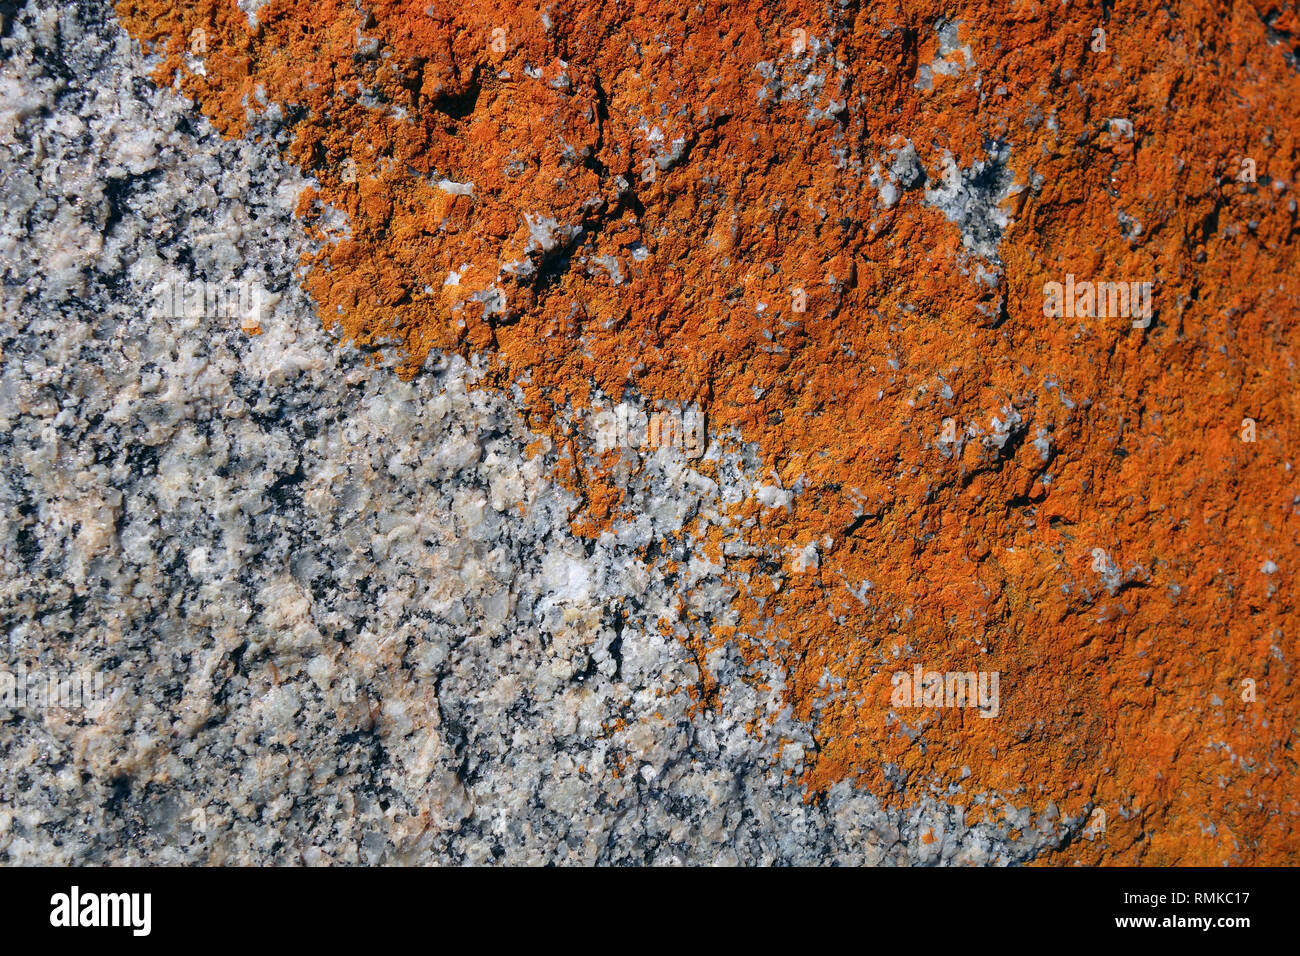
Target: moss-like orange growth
<point>712,206</point>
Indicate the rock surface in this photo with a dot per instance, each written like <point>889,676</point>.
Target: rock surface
<point>363,588</point>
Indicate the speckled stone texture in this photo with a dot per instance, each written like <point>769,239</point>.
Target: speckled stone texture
<point>364,580</point>
<point>341,617</point>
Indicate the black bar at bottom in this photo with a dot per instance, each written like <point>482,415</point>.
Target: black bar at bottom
<point>340,906</point>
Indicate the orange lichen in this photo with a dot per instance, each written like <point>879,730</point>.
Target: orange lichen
<point>645,176</point>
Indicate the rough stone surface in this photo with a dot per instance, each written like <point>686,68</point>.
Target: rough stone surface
<point>342,617</point>
<point>362,588</point>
